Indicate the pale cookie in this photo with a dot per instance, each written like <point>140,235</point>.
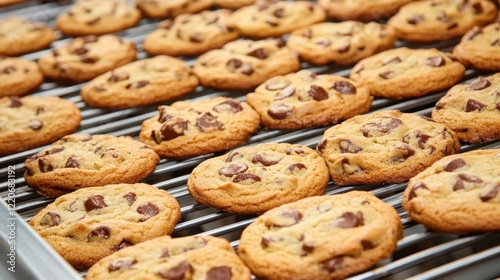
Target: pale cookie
<point>191,34</point>
<point>90,224</point>
<point>18,76</point>
<point>140,83</point>
<point>321,238</point>
<point>233,4</point>
<point>304,99</point>
<point>384,147</point>
<point>407,73</point>
<point>186,129</point>
<point>169,8</point>
<point>341,43</point>
<point>244,64</point>
<point>437,20</point>
<point>192,257</point>
<point>95,17</point>
<point>472,111</point>
<point>480,48</point>
<point>19,36</point>
<point>31,122</point>
<point>362,10</point>
<point>85,58</point>
<point>458,194</point>
<point>275,18</point>
<point>82,160</point>
<point>252,180</point>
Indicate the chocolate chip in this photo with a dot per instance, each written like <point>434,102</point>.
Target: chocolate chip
<point>346,146</point>
<point>479,84</point>
<point>259,53</point>
<point>72,163</point>
<point>350,220</point>
<point>39,110</point>
<point>207,121</point>
<point>474,105</point>
<point>419,136</point>
<point>325,42</point>
<point>367,244</point>
<point>182,271</point>
<point>344,87</point>
<point>285,93</point>
<point>477,8</point>
<point>94,202</point>
<point>452,25</point>
<point>307,248</point>
<point>166,24</point>
<point>94,21</point>
<point>296,166</point>
<point>415,187</point>
<point>233,169</point>
<point>435,61</point>
<point>148,209</point>
<point>15,102</point>
<point>387,74</point>
<point>276,84</point>
<point>138,84</point>
<point>404,152</point>
<point>317,93</point>
<point>116,77</point>
<point>163,115</point>
<point>9,69</point>
<point>55,150</point>
<point>489,191</point>
<point>459,185</point>
<point>272,23</point>
<point>50,219</point>
<point>101,232</point>
<point>246,176</point>
<point>231,155</point>
<point>279,111</point>
<point>170,131</point>
<point>344,48</point>
<point>385,125</point>
<point>88,60</point>
<point>473,33</point>
<point>219,273</point>
<point>454,164</point>
<point>196,38</point>
<point>288,218</point>
<point>297,151</point>
<point>470,178</point>
<point>333,264</point>
<point>234,63</point>
<point>496,43</point>
<point>393,60</point>
<point>90,39</point>
<point>266,159</point>
<point>322,145</point>
<point>123,244</point>
<point>415,19</point>
<point>228,106</point>
<point>44,165</point>
<point>120,264</point>
<point>278,13</point>
<point>130,197</point>
<point>35,124</point>
<point>248,70</point>
<point>99,88</point>
<point>80,51</point>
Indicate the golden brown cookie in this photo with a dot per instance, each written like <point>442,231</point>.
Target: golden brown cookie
<point>362,10</point>
<point>18,76</point>
<point>233,4</point>
<point>168,9</point>
<point>19,36</point>
<point>480,48</point>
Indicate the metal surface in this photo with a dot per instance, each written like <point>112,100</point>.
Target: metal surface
<point>420,255</point>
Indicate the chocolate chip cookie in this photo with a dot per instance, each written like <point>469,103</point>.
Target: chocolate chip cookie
<point>480,48</point>
<point>191,34</point>
<point>192,128</point>
<point>437,20</point>
<point>390,73</point>
<point>244,64</point>
<point>304,99</point>
<point>458,194</point>
<point>141,83</point>
<point>472,110</point>
<point>275,18</point>
<point>362,10</point>
<point>164,9</point>
<point>31,122</point>
<point>192,257</point>
<point>252,180</point>
<point>322,237</point>
<point>19,36</point>
<point>94,17</point>
<point>233,4</point>
<point>341,43</point>
<point>87,57</point>
<point>384,147</point>
<point>18,76</point>
<point>82,160</point>
<point>90,224</point>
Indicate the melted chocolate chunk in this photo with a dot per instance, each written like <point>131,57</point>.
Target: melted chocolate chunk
<point>196,38</point>
<point>80,51</point>
<point>90,39</point>
<point>317,93</point>
<point>417,134</point>
<point>246,176</point>
<point>219,273</point>
<point>44,165</point>
<point>174,130</point>
<point>259,53</point>
<point>473,33</point>
<point>182,271</point>
<point>405,152</point>
<point>123,244</point>
<point>367,244</point>
<point>9,69</point>
<point>385,125</point>
<point>344,87</point>
<point>93,21</point>
<point>489,192</point>
<point>130,197</point>
<point>166,24</point>
<point>479,84</point>
<point>470,178</point>
<point>50,219</point>
<point>296,166</point>
<point>474,105</point>
<point>322,145</point>
<point>72,163</point>
<point>459,185</point>
<point>435,61</point>
<point>417,186</point>
<point>276,84</point>
<point>350,220</point>
<point>454,164</point>
<point>285,93</point>
<point>15,102</point>
<point>88,60</point>
<point>496,43</point>
<point>272,23</point>
<point>94,202</point>
<point>344,48</point>
<point>387,74</point>
<point>266,160</point>
<point>229,106</point>
<point>35,124</point>
<point>333,264</point>
<point>307,248</point>
<point>393,60</point>
<point>288,218</point>
<point>324,42</point>
<point>231,155</point>
<point>297,151</point>
<point>120,76</point>
<point>234,63</point>
<point>149,210</point>
<point>279,111</point>
<point>207,121</point>
<point>163,115</point>
<point>233,169</point>
<point>415,19</point>
<point>478,9</point>
<point>101,232</point>
<point>121,264</point>
<point>346,146</point>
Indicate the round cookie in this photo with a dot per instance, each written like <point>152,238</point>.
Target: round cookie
<point>164,9</point>
<point>140,83</point>
<point>87,57</point>
<point>322,237</point>
<point>19,36</point>
<point>90,224</point>
<point>480,48</point>
<point>244,64</point>
<point>82,160</point>
<point>362,10</point>
<point>341,43</point>
<point>472,111</point>
<point>233,4</point>
<point>458,194</point>
<point>407,73</point>
<point>95,17</point>
<point>304,99</point>
<point>186,129</point>
<point>437,20</point>
<point>192,257</point>
<point>31,122</point>
<point>18,76</point>
<point>275,18</point>
<point>191,34</point>
<point>252,180</point>
<point>384,147</point>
